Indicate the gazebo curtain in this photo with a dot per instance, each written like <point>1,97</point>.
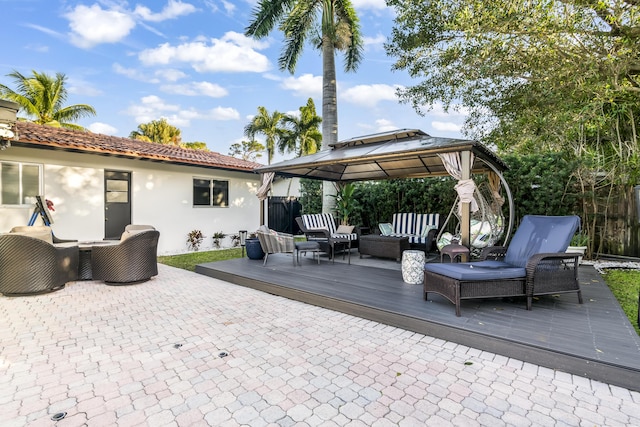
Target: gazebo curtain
<point>263,191</point>
<point>464,187</point>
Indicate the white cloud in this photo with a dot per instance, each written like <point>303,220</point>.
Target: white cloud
<point>307,85</point>
<point>384,125</point>
<point>370,95</point>
<point>374,43</point>
<point>369,4</point>
<point>132,73</point>
<point>232,53</point>
<point>173,9</point>
<point>196,89</point>
<point>102,128</point>
<point>92,25</point>
<point>446,126</point>
<point>154,108</point>
<point>229,7</point>
<point>81,87</point>
<point>222,113</point>
<point>170,74</point>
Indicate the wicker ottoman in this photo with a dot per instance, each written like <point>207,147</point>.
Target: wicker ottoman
<point>383,246</point>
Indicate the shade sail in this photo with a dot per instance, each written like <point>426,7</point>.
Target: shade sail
<point>405,153</point>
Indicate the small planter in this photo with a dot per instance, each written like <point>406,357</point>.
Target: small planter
<point>254,250</point>
<point>577,250</point>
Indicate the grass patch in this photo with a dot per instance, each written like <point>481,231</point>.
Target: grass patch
<point>625,285</point>
<point>189,260</point>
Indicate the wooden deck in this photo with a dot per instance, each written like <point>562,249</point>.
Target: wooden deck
<point>594,340</point>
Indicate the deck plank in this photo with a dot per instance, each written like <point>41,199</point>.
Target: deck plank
<point>594,339</point>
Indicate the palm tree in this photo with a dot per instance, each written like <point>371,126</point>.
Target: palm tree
<point>42,98</point>
<point>332,25</point>
<point>302,135</point>
<point>268,125</point>
<point>160,131</point>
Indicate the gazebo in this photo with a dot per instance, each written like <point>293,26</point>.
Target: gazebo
<point>404,153</point>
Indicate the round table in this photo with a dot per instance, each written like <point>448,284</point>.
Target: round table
<point>413,267</point>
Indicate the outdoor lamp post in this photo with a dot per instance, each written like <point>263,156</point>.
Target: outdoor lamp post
<point>243,239</point>
<point>8,111</point>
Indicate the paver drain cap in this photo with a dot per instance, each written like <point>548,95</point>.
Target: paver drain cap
<point>58,416</point>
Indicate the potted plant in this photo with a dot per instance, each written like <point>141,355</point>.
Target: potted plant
<point>579,244</point>
<point>253,247</point>
<point>345,202</point>
<point>217,237</point>
<point>194,239</point>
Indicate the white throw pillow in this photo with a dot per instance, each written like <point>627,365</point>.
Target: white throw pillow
<point>345,229</point>
<point>386,228</point>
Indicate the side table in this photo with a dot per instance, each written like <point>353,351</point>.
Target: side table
<point>346,244</point>
<point>455,252</point>
<point>413,267</point>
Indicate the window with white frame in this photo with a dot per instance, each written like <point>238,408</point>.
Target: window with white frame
<point>210,192</point>
<point>19,183</point>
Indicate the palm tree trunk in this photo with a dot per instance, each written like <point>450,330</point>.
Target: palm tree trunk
<point>329,115</point>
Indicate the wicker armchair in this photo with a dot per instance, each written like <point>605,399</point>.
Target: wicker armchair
<point>534,264</point>
<point>29,265</point>
<point>276,243</point>
<point>133,260</point>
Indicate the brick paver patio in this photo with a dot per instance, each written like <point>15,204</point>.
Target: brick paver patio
<point>184,350</point>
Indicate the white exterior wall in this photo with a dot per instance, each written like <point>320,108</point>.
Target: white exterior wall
<point>282,186</point>
<point>161,195</point>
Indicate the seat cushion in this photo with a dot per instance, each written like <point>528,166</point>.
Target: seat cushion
<point>473,271</point>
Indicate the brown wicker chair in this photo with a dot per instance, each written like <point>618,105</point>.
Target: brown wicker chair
<point>133,260</point>
<point>30,265</point>
<point>533,264</point>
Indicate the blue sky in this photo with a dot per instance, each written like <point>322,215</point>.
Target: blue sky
<point>189,62</point>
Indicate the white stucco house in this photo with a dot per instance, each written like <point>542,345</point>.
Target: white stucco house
<point>100,183</point>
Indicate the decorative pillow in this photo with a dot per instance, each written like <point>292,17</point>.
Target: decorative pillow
<point>386,228</point>
<point>427,229</point>
<point>345,229</point>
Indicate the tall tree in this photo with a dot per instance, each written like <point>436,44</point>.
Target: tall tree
<point>247,150</point>
<point>42,97</point>
<point>267,124</point>
<point>331,25</point>
<point>301,132</point>
<point>159,131</point>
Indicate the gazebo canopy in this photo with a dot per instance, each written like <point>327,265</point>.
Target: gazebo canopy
<point>405,153</point>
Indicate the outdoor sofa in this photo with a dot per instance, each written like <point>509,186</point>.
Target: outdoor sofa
<point>420,228</point>
<point>535,263</point>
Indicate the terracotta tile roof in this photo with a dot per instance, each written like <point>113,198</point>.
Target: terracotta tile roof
<point>31,135</point>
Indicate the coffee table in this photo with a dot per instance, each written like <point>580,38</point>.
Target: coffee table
<point>84,260</point>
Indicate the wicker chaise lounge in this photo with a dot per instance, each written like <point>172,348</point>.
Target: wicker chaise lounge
<point>534,264</point>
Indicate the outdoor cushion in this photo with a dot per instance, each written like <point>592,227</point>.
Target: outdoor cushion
<point>473,271</point>
<point>42,232</point>
<point>344,229</point>
<point>540,234</point>
<point>386,229</point>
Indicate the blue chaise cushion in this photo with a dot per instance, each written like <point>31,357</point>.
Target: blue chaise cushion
<point>483,270</point>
